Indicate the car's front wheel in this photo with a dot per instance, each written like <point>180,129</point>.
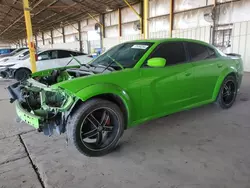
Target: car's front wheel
<point>22,74</point>
<point>96,127</point>
<point>228,92</point>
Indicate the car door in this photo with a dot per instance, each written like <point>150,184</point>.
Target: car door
<point>207,68</point>
<point>167,89</point>
<point>47,60</point>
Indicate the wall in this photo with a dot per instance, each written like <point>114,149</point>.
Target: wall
<point>4,45</point>
<point>189,22</point>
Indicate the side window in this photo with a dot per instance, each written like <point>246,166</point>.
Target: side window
<point>173,52</point>
<point>197,52</point>
<point>44,56</point>
<point>211,53</point>
<point>78,53</point>
<point>64,53</point>
<point>54,54</point>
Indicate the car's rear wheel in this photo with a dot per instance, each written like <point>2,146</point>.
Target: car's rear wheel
<point>228,92</point>
<point>96,127</point>
<point>22,74</point>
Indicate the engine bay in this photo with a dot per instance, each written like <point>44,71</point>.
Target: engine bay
<point>59,75</point>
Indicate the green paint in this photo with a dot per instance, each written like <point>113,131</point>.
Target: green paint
<point>156,62</point>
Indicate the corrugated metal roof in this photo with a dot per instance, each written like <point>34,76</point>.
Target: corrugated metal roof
<point>48,14</point>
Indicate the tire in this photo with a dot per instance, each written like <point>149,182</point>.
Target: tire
<point>226,99</point>
<point>85,133</point>
<point>22,74</point>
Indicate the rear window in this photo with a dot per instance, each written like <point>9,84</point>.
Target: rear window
<point>197,52</point>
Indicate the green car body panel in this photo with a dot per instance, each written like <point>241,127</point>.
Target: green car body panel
<point>161,91</point>
<point>150,93</point>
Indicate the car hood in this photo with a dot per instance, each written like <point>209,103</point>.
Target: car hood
<point>61,77</point>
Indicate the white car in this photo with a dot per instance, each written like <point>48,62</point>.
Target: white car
<point>15,57</point>
<point>47,59</point>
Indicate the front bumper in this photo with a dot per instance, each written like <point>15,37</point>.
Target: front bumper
<point>37,105</point>
<point>7,73</point>
<point>27,117</point>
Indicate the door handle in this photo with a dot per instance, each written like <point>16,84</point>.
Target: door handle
<point>187,73</point>
<point>219,65</point>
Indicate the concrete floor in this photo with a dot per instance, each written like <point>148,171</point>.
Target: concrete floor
<point>202,148</point>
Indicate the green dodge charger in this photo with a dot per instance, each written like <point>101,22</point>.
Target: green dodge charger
<point>128,85</point>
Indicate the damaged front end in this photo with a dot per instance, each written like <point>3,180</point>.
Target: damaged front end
<point>44,107</point>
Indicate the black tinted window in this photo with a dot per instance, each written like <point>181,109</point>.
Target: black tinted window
<point>174,53</point>
<point>211,53</point>
<point>64,53</point>
<point>78,53</point>
<point>53,54</point>
<point>197,52</point>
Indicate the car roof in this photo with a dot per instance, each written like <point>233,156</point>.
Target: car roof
<point>47,49</point>
<point>173,40</point>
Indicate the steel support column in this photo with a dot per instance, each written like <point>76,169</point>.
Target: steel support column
<point>80,36</point>
<point>119,23</point>
<point>29,34</point>
<point>171,18</point>
<point>145,18</point>
<point>63,34</point>
<point>137,14</point>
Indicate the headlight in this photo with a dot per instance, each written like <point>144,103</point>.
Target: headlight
<point>56,100</point>
<point>10,65</point>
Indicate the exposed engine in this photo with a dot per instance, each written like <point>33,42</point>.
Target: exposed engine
<point>38,97</point>
<point>58,75</point>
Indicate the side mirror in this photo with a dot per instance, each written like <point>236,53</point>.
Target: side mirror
<point>156,62</point>
<point>42,57</point>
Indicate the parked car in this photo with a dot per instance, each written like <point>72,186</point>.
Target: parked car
<point>47,59</point>
<point>17,56</point>
<point>4,51</point>
<point>128,85</point>
<point>14,52</point>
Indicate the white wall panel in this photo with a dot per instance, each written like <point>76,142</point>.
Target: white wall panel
<point>39,43</point>
<point>241,42</point>
<point>69,29</point>
<point>69,45</point>
<point>111,31</point>
<point>158,7</point>
<point>110,42</point>
<point>93,21</point>
<point>57,32</point>
<point>58,40</point>
<point>131,38</point>
<point>159,24</point>
<point>71,38</point>
<point>128,15</point>
<point>180,5</point>
<point>201,33</point>
<point>47,35</point>
<point>191,19</point>
<point>128,29</point>
<point>159,34</point>
<point>111,18</point>
<point>83,23</point>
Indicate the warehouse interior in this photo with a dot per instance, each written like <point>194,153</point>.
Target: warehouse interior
<point>78,24</point>
<point>204,147</point>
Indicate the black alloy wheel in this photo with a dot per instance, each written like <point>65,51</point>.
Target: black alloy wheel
<point>96,127</point>
<point>228,92</point>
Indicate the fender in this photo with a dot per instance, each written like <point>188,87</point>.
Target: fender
<point>221,78</point>
<point>100,89</point>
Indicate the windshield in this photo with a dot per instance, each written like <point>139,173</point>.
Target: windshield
<point>126,54</point>
<point>16,51</point>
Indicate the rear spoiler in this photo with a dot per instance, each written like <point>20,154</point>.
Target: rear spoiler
<point>234,55</point>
